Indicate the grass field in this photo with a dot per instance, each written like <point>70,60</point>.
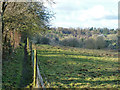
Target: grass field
<point>66,67</point>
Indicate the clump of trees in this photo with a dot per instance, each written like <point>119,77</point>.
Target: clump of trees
<point>90,43</point>
<point>98,43</point>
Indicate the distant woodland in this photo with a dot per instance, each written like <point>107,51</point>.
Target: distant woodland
<point>91,38</point>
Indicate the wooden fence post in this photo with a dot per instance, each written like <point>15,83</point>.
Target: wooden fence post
<point>28,46</point>
<point>31,52</point>
<point>35,69</point>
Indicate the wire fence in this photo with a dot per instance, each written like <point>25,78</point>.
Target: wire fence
<point>37,78</point>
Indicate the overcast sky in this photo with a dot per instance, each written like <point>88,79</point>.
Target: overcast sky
<point>85,13</point>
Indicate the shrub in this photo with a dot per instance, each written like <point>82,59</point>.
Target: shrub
<point>38,39</point>
<point>72,42</point>
<point>100,42</point>
<point>45,40</point>
<point>90,43</point>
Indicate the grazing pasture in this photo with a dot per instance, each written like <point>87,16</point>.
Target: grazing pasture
<point>67,67</point>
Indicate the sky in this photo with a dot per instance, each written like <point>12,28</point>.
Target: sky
<point>85,13</point>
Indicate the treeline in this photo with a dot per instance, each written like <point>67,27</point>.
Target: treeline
<point>92,38</point>
<point>21,20</point>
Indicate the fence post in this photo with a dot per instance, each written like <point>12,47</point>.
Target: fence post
<point>32,54</point>
<point>35,69</point>
<point>28,46</point>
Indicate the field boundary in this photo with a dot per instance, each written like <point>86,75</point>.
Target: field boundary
<point>37,78</point>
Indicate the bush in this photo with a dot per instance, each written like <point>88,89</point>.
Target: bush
<point>100,42</point>
<point>72,42</point>
<point>90,43</point>
<point>38,39</point>
<point>45,40</point>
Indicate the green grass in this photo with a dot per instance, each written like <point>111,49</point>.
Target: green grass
<point>66,67</point>
<point>12,69</point>
<point>17,72</point>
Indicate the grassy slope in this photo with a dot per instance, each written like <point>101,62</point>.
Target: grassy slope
<point>15,71</point>
<point>80,68</point>
<point>12,69</point>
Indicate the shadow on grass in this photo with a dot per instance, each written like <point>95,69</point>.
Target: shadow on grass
<point>59,67</point>
<point>27,72</point>
<point>79,52</point>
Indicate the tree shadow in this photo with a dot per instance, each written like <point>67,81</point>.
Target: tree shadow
<point>64,67</point>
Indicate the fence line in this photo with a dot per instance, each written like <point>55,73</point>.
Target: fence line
<point>37,78</point>
<point>44,75</point>
<point>40,77</point>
